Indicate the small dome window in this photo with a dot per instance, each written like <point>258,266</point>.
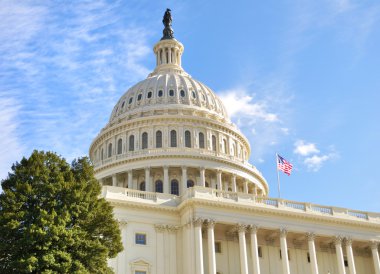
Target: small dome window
<point>204,97</point>
<point>122,105</point>
<point>149,94</point>
<point>171,92</point>
<point>160,93</point>
<point>139,97</point>
<point>182,93</point>
<point>194,95</point>
<point>130,100</point>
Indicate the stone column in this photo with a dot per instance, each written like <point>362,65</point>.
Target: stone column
<point>173,248</point>
<point>184,179</point>
<point>130,179</point>
<point>211,247</point>
<point>233,182</point>
<point>166,179</point>
<point>312,253</point>
<point>339,254</point>
<point>245,186</point>
<point>243,249</point>
<point>375,256</point>
<point>160,229</point>
<point>121,257</point>
<point>198,246</point>
<point>114,180</point>
<point>350,256</point>
<point>170,55</point>
<point>219,179</point>
<point>254,249</point>
<point>202,175</point>
<point>284,251</point>
<point>148,186</point>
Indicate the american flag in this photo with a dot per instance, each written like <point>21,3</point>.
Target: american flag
<point>284,165</point>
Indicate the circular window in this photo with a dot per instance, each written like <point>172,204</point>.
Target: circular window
<point>160,93</point>
<point>182,93</point>
<point>130,100</point>
<point>139,97</point>
<point>171,92</point>
<point>149,94</point>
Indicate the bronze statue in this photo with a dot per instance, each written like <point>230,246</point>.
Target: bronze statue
<point>168,32</point>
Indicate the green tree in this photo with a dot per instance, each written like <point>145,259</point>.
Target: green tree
<point>52,219</point>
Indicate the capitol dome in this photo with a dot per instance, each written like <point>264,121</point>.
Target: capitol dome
<point>170,132</point>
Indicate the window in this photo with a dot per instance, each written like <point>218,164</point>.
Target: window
<point>144,140</point>
<point>187,138</point>
<point>308,257</point>
<point>149,94</point>
<point>109,150</point>
<point>122,105</point>
<point>213,142</point>
<point>131,143</point>
<point>140,239</point>
<point>130,100</point>
<point>224,145</point>
<point>102,155</point>
<point>142,186</point>
<point>160,93</point>
<point>201,140</point>
<point>173,138</point>
<point>345,262</point>
<point>171,92</point>
<point>158,186</point>
<point>190,183</point>
<point>158,139</point>
<point>218,247</point>
<point>260,252</point>
<point>139,97</point>
<point>182,93</point>
<point>194,94</point>
<point>119,146</point>
<point>174,189</point>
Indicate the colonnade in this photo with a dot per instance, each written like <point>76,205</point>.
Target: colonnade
<point>242,230</point>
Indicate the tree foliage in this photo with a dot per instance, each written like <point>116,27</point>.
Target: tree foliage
<point>52,219</point>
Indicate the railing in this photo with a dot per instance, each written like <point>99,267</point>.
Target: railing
<point>205,193</point>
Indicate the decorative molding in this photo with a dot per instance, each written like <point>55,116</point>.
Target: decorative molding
<point>253,229</point>
<point>241,228</point>
<point>198,222</point>
<point>172,228</point>
<point>338,240</point>
<point>348,241</point>
<point>310,236</point>
<point>160,228</point>
<point>283,232</point>
<point>122,223</point>
<point>210,223</point>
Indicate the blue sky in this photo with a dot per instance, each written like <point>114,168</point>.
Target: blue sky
<point>301,78</point>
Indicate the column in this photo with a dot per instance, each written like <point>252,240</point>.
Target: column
<point>312,253</point>
<point>148,187</point>
<point>170,55</point>
<point>114,180</point>
<point>254,249</point>
<point>166,179</point>
<point>198,246</point>
<point>173,249</point>
<point>130,179</point>
<point>121,257</point>
<point>284,251</point>
<point>375,256</point>
<point>184,179</point>
<point>245,186</point>
<point>211,247</point>
<point>339,254</point>
<point>160,229</point>
<point>219,179</point>
<point>350,256</point>
<point>202,175</point>
<point>233,182</point>
<point>243,249</point>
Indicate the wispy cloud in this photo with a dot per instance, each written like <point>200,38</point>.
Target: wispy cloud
<point>304,149</point>
<point>315,162</point>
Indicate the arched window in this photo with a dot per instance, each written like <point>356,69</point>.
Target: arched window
<point>144,140</point>
<point>171,92</point>
<point>190,183</point>
<point>142,186</point>
<point>213,138</point>
<point>225,149</point>
<point>182,93</point>
<point>130,100</point>
<point>119,146</point>
<point>149,94</point>
<point>131,143</point>
<point>139,97</point>
<point>173,138</point>
<point>159,186</point>
<point>187,138</point>
<point>102,155</point>
<point>109,150</point>
<point>194,94</point>
<point>160,93</point>
<point>233,149</point>
<point>158,139</point>
<point>174,189</point>
<point>201,140</point>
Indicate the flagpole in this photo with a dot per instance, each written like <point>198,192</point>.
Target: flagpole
<point>278,177</point>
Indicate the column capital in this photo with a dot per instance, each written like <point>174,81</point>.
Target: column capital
<point>184,168</point>
<point>310,236</point>
<point>283,232</point>
<point>160,228</point>
<point>219,171</point>
<point>233,176</point>
<point>166,167</point>
<point>202,168</point>
<point>147,168</point>
<point>338,240</point>
<point>253,229</point>
<point>348,241</point>
<point>241,228</point>
<point>374,245</point>
<point>210,223</point>
<point>122,223</point>
<point>172,228</point>
<point>198,222</point>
